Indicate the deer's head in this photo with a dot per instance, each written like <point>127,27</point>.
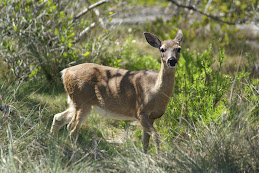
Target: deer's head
<point>170,49</point>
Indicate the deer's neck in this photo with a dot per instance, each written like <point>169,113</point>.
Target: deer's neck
<point>165,81</point>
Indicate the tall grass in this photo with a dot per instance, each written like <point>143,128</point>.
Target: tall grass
<point>226,144</point>
<point>211,125</point>
<point>229,147</point>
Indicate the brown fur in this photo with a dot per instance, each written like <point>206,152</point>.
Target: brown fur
<point>140,95</point>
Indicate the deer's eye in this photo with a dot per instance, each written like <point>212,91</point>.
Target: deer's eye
<point>162,50</point>
<point>178,50</point>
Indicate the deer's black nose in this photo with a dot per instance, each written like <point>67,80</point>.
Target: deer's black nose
<point>171,62</point>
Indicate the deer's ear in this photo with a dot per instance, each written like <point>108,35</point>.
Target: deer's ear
<point>179,36</point>
<point>152,40</point>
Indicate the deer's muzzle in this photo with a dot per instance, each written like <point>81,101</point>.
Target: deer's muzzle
<point>172,62</point>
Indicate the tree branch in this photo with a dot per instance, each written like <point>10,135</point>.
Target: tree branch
<point>88,9</point>
<point>192,7</point>
<point>85,31</point>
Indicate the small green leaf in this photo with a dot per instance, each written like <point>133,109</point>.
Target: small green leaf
<point>82,21</point>
<point>56,31</point>
<point>33,73</point>
<point>72,35</point>
<point>65,54</point>
<point>4,43</point>
<point>62,14</point>
<point>86,53</point>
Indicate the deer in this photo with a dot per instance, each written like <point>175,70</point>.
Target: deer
<point>121,94</point>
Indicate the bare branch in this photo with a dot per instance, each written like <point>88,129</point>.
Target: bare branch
<point>88,9</point>
<point>192,7</point>
<point>97,12</point>
<point>207,5</point>
<point>85,31</point>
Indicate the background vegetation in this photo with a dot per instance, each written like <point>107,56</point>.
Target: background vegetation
<point>211,124</point>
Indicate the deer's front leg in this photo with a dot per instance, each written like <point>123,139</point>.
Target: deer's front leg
<point>148,129</point>
<point>145,140</point>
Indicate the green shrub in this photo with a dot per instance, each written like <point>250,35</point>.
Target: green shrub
<point>40,38</point>
<point>210,125</point>
<point>129,57</point>
<point>201,93</point>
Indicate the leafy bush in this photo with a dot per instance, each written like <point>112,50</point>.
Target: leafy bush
<point>201,93</point>
<point>125,55</point>
<point>43,36</point>
<point>210,124</point>
<point>205,128</point>
<point>209,116</point>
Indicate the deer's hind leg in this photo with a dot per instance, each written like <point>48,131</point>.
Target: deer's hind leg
<point>78,119</point>
<point>61,119</point>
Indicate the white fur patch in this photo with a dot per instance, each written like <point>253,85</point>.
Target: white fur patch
<point>63,72</point>
<point>69,101</point>
<point>108,114</point>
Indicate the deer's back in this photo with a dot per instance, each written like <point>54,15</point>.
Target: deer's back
<point>111,89</point>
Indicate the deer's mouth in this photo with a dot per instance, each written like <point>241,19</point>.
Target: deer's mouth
<point>172,62</point>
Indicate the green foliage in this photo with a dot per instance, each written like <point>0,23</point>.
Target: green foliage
<point>128,57</point>
<point>39,38</point>
<point>136,60</point>
<point>205,128</point>
<point>201,93</point>
<point>211,121</point>
<point>200,30</point>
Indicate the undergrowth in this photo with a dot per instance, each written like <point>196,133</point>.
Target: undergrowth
<point>211,125</point>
